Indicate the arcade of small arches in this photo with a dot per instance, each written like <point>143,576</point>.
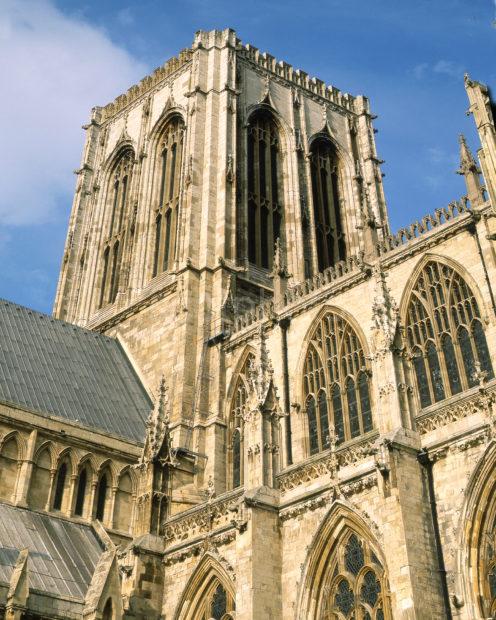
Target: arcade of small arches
<point>262,211</point>
<point>62,484</point>
<point>446,348</point>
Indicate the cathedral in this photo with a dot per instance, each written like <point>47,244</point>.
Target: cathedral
<point>254,400</point>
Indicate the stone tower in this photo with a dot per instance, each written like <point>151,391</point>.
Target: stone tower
<point>158,248</point>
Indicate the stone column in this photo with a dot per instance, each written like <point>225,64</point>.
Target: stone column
<point>24,478</point>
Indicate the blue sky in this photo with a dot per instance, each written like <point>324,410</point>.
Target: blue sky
<point>59,58</point>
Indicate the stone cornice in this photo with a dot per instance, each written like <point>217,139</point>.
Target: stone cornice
<point>453,409</point>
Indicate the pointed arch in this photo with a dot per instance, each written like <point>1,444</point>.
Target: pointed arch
<point>124,500</point>
<point>265,197</point>
<point>327,192</point>
<point>477,538</point>
<point>85,472</point>
<point>44,461</point>
<point>106,482</point>
<point>116,200</point>
<point>237,400</point>
<point>20,441</point>
<point>345,570</point>
<point>167,147</point>
<point>334,378</point>
<point>199,594</point>
<point>444,330</point>
<point>10,459</point>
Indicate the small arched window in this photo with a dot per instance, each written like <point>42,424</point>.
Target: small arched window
<point>236,426</point>
<point>265,195</point>
<point>123,503</point>
<point>101,498</point>
<point>336,384</point>
<point>39,487</point>
<point>9,457</point>
<point>82,483</point>
<point>327,214</point>
<point>115,228</point>
<point>60,487</point>
<point>445,335</point>
<point>167,191</point>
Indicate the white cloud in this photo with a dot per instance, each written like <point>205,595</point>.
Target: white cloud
<point>441,67</point>
<point>54,69</point>
<point>448,67</point>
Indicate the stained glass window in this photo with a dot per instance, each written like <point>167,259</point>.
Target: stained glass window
<point>445,334</point>
<point>167,174</point>
<point>336,384</point>
<point>265,210</point>
<point>114,229</point>
<point>356,583</point>
<point>217,604</point>
<point>489,571</point>
<point>236,426</point>
<point>326,204</point>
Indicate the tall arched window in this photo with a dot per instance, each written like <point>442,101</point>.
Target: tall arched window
<point>115,226</point>
<point>123,503</point>
<point>329,233</point>
<point>236,426</point>
<point>445,334</point>
<point>355,585</point>
<point>265,194</point>
<point>61,487</point>
<point>101,498</point>
<point>336,384</point>
<point>81,492</point>
<point>39,487</point>
<point>167,188</point>
<point>9,458</point>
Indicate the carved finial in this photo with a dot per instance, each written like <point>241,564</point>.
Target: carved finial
<point>210,490</point>
<point>385,312</point>
<point>467,161</point>
<point>230,168</point>
<point>279,267</point>
<point>260,372</point>
<point>158,441</point>
<point>480,376</point>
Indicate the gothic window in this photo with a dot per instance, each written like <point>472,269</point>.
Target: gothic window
<point>9,457</point>
<point>236,426</point>
<point>101,497</point>
<point>336,384</point>
<point>445,334</point>
<point>218,603</point>
<point>81,488</point>
<point>39,487</point>
<point>123,503</point>
<point>356,584</point>
<point>118,199</point>
<point>168,174</point>
<point>60,487</point>
<point>326,204</point>
<point>265,210</point>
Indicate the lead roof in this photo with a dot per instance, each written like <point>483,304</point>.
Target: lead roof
<point>58,369</point>
<point>62,555</point>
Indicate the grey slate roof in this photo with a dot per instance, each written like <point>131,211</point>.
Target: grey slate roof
<point>65,371</point>
<point>62,555</point>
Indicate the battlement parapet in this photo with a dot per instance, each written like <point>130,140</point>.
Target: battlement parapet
<point>147,83</point>
<point>428,223</point>
<point>301,79</point>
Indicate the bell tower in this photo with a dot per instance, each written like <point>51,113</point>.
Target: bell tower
<point>195,186</point>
